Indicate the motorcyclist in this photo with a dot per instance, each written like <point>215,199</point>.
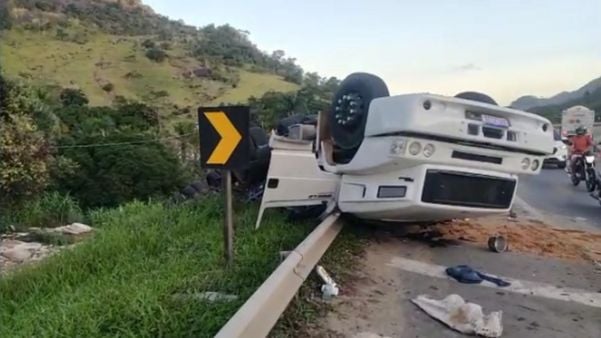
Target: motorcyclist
<point>581,144</point>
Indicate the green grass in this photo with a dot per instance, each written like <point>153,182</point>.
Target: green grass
<point>47,210</point>
<point>40,58</point>
<point>254,84</point>
<point>121,282</point>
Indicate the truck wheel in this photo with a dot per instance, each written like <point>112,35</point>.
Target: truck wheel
<point>475,96</point>
<point>350,106</point>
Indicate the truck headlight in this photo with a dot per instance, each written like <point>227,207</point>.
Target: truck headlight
<point>397,147</point>
<point>415,148</point>
<point>535,165</point>
<point>429,150</point>
<point>525,163</point>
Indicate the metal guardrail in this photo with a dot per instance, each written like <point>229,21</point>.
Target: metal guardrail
<point>261,311</point>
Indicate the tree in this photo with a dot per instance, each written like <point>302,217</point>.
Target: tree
<point>73,97</point>
<point>272,106</point>
<point>24,151</point>
<point>24,159</point>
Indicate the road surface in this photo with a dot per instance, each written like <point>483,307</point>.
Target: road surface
<point>552,192</point>
<point>549,297</point>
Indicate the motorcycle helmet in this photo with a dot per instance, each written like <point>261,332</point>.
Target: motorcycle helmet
<point>580,131</point>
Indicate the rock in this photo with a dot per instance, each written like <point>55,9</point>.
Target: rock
<point>74,229</point>
<point>18,251</point>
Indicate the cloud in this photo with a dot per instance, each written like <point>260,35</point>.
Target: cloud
<point>468,67</point>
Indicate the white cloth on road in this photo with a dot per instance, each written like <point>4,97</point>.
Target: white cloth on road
<point>461,316</point>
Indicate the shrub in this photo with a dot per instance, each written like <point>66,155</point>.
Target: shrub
<point>156,55</point>
<point>148,44</point>
<point>73,97</point>
<point>139,168</point>
<point>159,94</point>
<point>108,87</point>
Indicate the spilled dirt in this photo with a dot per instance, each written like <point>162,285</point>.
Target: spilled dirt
<point>527,236</point>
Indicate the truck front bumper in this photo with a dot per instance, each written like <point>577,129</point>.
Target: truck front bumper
<point>427,192</point>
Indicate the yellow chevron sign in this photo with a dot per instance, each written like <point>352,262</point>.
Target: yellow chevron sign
<point>223,137</point>
<point>230,137</point>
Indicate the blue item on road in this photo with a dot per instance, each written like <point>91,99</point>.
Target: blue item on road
<point>466,274</point>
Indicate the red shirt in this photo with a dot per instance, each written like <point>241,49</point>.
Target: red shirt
<point>581,143</point>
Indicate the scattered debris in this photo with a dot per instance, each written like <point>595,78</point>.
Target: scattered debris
<point>466,274</point>
<point>464,317</point>
<point>209,296</point>
<point>497,243</point>
<point>527,236</point>
<point>329,289</point>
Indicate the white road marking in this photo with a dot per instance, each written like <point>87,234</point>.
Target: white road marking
<point>518,286</point>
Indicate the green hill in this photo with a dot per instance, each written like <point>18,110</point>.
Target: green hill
<point>112,48</point>
<point>590,99</point>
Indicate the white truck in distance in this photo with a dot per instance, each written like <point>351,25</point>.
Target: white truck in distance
<point>577,116</point>
<point>417,157</point>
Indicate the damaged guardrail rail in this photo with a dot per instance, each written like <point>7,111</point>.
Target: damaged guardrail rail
<point>261,311</point>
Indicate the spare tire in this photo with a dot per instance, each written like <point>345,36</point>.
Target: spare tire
<point>348,114</point>
<point>476,96</point>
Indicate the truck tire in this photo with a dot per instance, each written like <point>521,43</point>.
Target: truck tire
<point>475,96</point>
<point>350,107</point>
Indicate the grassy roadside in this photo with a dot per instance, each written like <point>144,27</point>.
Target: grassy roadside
<point>122,282</point>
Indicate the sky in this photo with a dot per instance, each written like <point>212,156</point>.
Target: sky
<point>505,48</point>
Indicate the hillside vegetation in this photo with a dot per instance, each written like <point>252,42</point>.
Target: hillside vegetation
<point>590,100</point>
<point>122,48</point>
<point>529,101</point>
<point>33,57</point>
<point>99,97</point>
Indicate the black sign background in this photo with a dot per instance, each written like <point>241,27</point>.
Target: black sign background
<point>209,137</point>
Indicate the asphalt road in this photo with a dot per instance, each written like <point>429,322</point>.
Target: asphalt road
<point>552,193</point>
<point>379,300</point>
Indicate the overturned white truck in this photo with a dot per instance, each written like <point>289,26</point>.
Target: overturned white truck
<point>416,157</point>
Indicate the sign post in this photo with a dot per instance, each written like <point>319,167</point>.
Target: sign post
<point>224,145</point>
<point>228,228</point>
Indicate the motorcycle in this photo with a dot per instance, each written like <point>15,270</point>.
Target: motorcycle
<point>584,170</point>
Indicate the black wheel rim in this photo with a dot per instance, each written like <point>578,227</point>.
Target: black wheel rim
<point>349,110</point>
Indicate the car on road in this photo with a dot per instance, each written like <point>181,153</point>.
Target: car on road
<point>560,152</point>
<point>415,157</point>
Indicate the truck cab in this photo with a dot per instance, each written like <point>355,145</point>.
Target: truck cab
<point>414,157</point>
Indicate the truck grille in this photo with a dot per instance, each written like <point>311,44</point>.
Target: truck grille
<point>470,190</point>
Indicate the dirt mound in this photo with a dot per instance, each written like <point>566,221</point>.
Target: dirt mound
<point>528,237</point>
